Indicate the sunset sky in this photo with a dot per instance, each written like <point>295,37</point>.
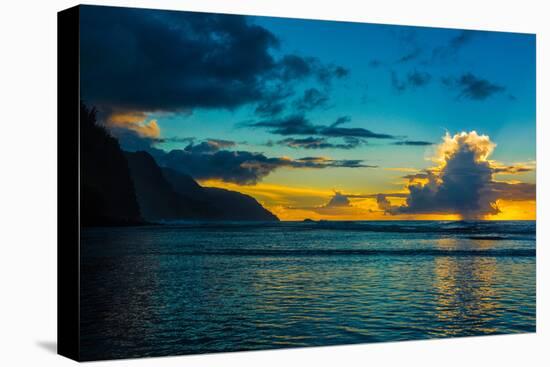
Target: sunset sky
<point>320,119</point>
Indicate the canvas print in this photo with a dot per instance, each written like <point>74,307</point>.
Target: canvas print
<point>253,182</point>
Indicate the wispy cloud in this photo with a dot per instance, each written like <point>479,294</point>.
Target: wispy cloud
<point>409,56</point>
<point>455,44</point>
<point>414,79</point>
<point>473,87</point>
<point>413,143</point>
<point>321,143</point>
<point>311,99</point>
<point>299,125</point>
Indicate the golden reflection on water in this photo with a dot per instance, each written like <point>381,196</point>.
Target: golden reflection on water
<point>465,289</point>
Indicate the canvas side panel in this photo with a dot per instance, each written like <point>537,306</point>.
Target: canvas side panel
<point>68,222</point>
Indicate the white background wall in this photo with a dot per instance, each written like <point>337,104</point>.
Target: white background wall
<point>28,182</point>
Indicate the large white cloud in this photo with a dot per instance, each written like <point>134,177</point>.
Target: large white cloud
<point>462,182</point>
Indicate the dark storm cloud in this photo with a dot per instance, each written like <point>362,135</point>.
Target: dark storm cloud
<point>321,143</point>
<point>241,167</point>
<point>158,60</point>
<point>413,142</point>
<point>300,125</point>
<point>464,185</point>
<point>472,87</point>
<point>151,60</point>
<point>311,99</point>
<point>414,79</point>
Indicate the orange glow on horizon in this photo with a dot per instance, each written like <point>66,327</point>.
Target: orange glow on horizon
<point>298,203</point>
<point>515,210</point>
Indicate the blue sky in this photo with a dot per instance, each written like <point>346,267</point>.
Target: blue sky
<point>167,77</point>
<point>422,113</point>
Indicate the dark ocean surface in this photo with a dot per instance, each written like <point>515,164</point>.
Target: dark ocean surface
<point>216,287</point>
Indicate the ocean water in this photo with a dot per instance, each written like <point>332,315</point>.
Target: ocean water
<point>217,287</point>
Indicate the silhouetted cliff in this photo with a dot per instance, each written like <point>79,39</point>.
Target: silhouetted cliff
<point>156,198</point>
<point>165,194</point>
<point>107,194</point>
<point>221,204</point>
<point>123,188</point>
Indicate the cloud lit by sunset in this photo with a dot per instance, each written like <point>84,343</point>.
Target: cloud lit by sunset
<point>135,122</point>
<point>393,132</point>
<point>250,182</point>
<point>462,185</point>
